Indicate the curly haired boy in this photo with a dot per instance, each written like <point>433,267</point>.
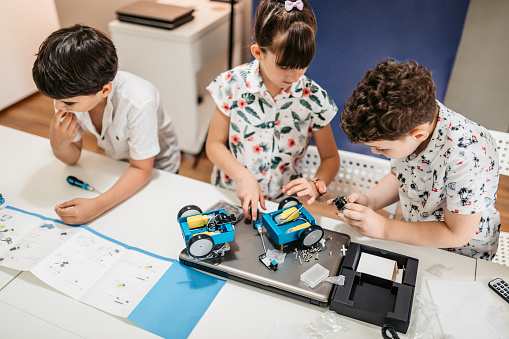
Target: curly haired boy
<point>444,166</point>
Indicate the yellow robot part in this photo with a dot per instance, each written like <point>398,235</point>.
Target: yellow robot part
<point>289,214</point>
<point>197,221</point>
<point>299,227</point>
<point>208,233</point>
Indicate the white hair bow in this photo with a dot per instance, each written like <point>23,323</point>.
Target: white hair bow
<point>297,4</point>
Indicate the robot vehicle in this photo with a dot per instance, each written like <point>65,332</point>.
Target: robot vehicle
<point>290,223</point>
<point>206,233</point>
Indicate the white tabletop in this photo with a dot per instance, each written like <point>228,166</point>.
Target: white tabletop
<point>34,180</point>
<point>19,324</point>
<point>6,275</point>
<point>487,271</point>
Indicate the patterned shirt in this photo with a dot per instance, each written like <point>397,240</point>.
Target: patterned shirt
<point>459,171</point>
<point>268,136</point>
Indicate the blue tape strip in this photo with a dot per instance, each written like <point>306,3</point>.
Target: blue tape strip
<point>94,232</point>
<point>176,303</point>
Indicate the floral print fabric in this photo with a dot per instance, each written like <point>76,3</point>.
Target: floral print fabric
<point>458,170</point>
<point>268,136</point>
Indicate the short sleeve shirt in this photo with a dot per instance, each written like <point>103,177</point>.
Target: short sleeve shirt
<point>268,136</point>
<point>457,171</point>
<point>135,125</point>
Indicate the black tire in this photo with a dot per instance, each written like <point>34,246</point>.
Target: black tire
<point>200,246</point>
<point>288,202</point>
<point>188,210</point>
<point>311,235</point>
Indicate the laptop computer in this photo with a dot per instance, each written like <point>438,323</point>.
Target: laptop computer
<point>155,14</point>
<point>241,263</point>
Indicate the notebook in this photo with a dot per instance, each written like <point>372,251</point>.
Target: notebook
<point>241,263</point>
<point>155,14</point>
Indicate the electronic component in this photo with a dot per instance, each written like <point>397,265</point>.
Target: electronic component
<point>211,221</point>
<point>270,263</point>
<point>340,202</point>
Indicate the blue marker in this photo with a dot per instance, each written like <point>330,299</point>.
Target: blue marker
<point>77,182</point>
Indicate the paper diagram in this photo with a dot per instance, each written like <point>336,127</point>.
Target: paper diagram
<point>25,239</point>
<point>102,273</point>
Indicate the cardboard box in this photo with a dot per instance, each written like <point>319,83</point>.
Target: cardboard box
<point>374,299</point>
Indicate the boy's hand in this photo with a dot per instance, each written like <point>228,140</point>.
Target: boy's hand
<point>79,211</point>
<point>364,220</point>
<point>250,193</point>
<point>63,129</point>
<point>358,198</point>
<point>302,187</point>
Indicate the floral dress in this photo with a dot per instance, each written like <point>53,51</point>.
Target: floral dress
<point>268,136</point>
<point>458,170</point>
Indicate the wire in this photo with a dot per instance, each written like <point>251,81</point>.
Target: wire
<point>392,332</point>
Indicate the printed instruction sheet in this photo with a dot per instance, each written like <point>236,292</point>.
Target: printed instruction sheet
<point>156,293</point>
<point>26,239</point>
<point>102,273</point>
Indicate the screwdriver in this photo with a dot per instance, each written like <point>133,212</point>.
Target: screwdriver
<point>77,182</point>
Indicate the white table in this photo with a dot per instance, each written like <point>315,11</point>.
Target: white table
<point>36,182</point>
<point>29,326</point>
<point>487,271</point>
<point>182,62</point>
<point>6,275</point>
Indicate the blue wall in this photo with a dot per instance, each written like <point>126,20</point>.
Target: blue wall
<point>354,35</point>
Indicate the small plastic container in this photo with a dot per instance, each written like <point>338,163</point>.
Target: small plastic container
<point>314,276</point>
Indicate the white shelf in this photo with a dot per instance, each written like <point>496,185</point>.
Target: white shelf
<point>181,63</point>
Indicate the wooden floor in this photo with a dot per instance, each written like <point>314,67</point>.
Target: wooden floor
<point>34,114</point>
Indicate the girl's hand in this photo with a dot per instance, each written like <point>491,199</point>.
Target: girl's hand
<point>364,220</point>
<point>250,194</point>
<point>63,129</point>
<point>79,211</point>
<point>302,187</point>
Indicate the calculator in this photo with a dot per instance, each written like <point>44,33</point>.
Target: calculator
<point>500,287</point>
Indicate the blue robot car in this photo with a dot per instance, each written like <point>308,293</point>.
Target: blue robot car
<point>206,233</point>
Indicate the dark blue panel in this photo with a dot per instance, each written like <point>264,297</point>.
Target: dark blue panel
<point>354,35</point>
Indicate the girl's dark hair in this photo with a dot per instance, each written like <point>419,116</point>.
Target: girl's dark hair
<point>290,36</point>
<point>74,61</point>
<point>389,102</point>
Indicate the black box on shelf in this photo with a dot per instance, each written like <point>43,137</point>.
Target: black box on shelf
<point>155,14</point>
<point>373,299</point>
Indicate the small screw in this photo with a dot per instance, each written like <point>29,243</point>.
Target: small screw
<point>300,260</point>
<point>330,253</point>
<point>316,256</point>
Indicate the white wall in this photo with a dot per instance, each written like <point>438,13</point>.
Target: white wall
<point>24,24</point>
<point>98,13</point>
<point>479,84</point>
<point>93,13</point>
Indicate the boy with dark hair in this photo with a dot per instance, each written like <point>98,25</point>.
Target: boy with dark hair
<point>77,67</point>
<point>444,166</point>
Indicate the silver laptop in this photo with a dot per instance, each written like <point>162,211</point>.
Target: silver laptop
<point>241,263</point>
<point>155,14</point>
